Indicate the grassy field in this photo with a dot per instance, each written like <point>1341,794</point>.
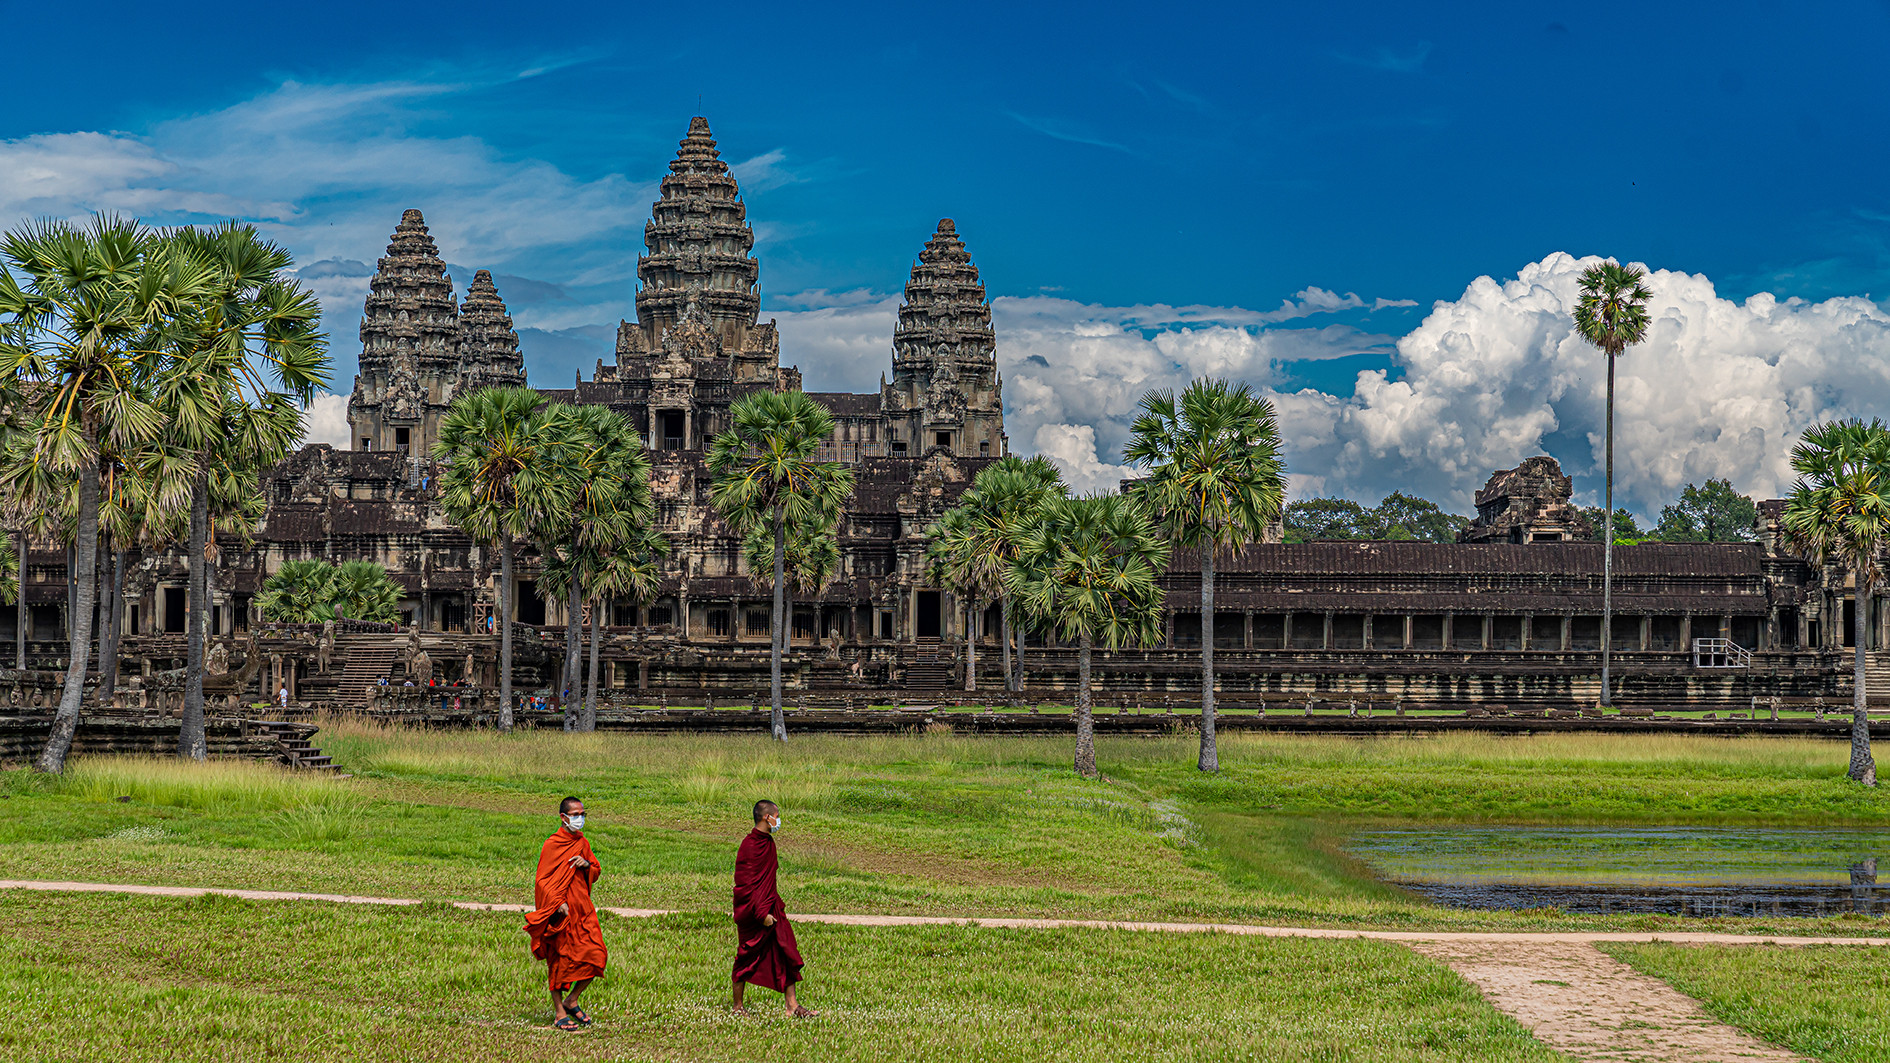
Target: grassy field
<point>1826,1002</point>
<point>221,979</point>
<point>934,824</point>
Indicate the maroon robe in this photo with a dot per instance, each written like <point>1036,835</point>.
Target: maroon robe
<point>764,955</point>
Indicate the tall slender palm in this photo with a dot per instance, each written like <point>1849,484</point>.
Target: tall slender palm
<point>610,475</point>
<point>81,308</point>
<point>1089,571</point>
<point>765,472</point>
<point>631,567</point>
<point>1215,481</point>
<point>246,356</point>
<point>1612,315</point>
<point>952,562</point>
<point>1839,512</point>
<point>810,558</point>
<point>999,511</point>
<point>502,471</point>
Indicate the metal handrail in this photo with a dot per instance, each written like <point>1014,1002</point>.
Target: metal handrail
<point>1720,653</point>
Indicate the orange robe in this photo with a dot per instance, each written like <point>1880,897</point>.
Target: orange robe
<point>571,945</point>
<point>764,955</point>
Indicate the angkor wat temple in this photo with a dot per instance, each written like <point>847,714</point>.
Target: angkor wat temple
<point>1509,614</point>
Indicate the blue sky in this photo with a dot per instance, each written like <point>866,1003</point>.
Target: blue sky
<point>1110,167</point>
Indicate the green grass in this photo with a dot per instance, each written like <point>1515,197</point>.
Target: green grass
<point>221,979</point>
<point>1826,1002</point>
<point>919,824</point>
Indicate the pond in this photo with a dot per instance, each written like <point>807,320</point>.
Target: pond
<point>1695,871</point>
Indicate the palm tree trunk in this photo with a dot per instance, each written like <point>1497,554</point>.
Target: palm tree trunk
<point>572,688</point>
<point>66,720</point>
<point>1004,630</point>
<point>1023,634</point>
<point>191,741</point>
<point>19,607</point>
<point>971,645</point>
<point>776,721</point>
<point>1085,723</point>
<point>114,608</point>
<point>1210,754</point>
<point>505,631</point>
<point>1607,551</point>
<point>1863,765</point>
<point>590,683</point>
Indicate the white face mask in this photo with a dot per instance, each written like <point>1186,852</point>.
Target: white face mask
<point>576,822</point>
<point>776,829</point>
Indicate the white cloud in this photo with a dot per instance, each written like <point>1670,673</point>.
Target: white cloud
<point>1072,447</point>
<point>326,421</point>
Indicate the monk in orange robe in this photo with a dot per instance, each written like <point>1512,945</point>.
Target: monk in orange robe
<point>563,923</point>
<point>765,953</point>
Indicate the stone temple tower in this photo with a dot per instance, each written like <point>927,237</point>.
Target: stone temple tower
<point>409,346</point>
<point>420,349</point>
<point>945,390</point>
<point>699,270</point>
<point>488,344</point>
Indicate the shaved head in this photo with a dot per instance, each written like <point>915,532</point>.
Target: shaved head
<point>764,809</point>
<point>568,803</point>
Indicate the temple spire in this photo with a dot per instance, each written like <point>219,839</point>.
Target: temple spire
<point>488,344</point>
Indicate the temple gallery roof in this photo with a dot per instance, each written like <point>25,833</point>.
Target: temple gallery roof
<point>1735,560</point>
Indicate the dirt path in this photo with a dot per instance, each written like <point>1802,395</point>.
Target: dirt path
<point>1590,1006</point>
<point>1013,923</point>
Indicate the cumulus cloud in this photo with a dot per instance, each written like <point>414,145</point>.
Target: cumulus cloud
<point>1719,389</point>
<point>326,421</point>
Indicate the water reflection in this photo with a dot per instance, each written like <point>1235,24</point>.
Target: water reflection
<point>1668,870</point>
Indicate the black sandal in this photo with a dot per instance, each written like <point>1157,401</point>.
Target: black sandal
<point>578,1013</point>
<point>567,1023</point>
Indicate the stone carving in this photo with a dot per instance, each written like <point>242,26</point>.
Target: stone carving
<point>218,661</point>
<point>325,648</point>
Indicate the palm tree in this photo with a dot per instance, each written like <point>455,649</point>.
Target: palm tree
<point>610,480</point>
<point>246,356</point>
<point>810,559</point>
<point>1839,512</point>
<point>364,591</point>
<point>765,473</point>
<point>298,593</point>
<point>1216,481</point>
<point>632,568</point>
<point>1612,315</point>
<point>999,511</point>
<point>952,562</point>
<point>81,308</point>
<point>1089,571</point>
<point>502,471</point>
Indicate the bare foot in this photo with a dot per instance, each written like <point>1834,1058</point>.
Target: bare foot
<point>802,1012</point>
<point>739,1010</point>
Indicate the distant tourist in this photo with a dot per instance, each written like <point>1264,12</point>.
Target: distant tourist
<point>765,953</point>
<point>282,696</point>
<point>563,922</point>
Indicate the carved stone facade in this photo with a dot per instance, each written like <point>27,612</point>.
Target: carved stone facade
<point>1527,504</point>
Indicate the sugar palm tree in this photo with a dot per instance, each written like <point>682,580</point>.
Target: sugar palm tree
<point>997,514</point>
<point>810,559</point>
<point>631,567</point>
<point>1839,512</point>
<point>81,308</point>
<point>502,472</point>
<point>1612,315</point>
<point>765,473</point>
<point>245,356</point>
<point>1089,571</point>
<point>1215,481</point>
<point>610,483</point>
<point>952,562</point>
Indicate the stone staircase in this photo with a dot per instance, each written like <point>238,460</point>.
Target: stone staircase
<point>362,667</point>
<point>1877,672</point>
<point>927,668</point>
<point>295,749</point>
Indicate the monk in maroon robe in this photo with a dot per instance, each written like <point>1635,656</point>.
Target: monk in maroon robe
<point>765,953</point>
<point>563,922</point>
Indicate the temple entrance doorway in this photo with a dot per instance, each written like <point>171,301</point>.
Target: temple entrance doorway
<point>174,609</point>
<point>928,615</point>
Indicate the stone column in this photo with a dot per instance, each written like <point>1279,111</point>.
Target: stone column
<point>1168,628</point>
<point>1686,633</point>
<point>1325,632</point>
<point>1246,621</point>
<point>1407,632</point>
<point>1488,623</point>
<point>1286,631</point>
<point>1568,621</point>
<point>1365,632</point>
<point>1528,630</point>
<point>1448,637</point>
<point>1647,632</point>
